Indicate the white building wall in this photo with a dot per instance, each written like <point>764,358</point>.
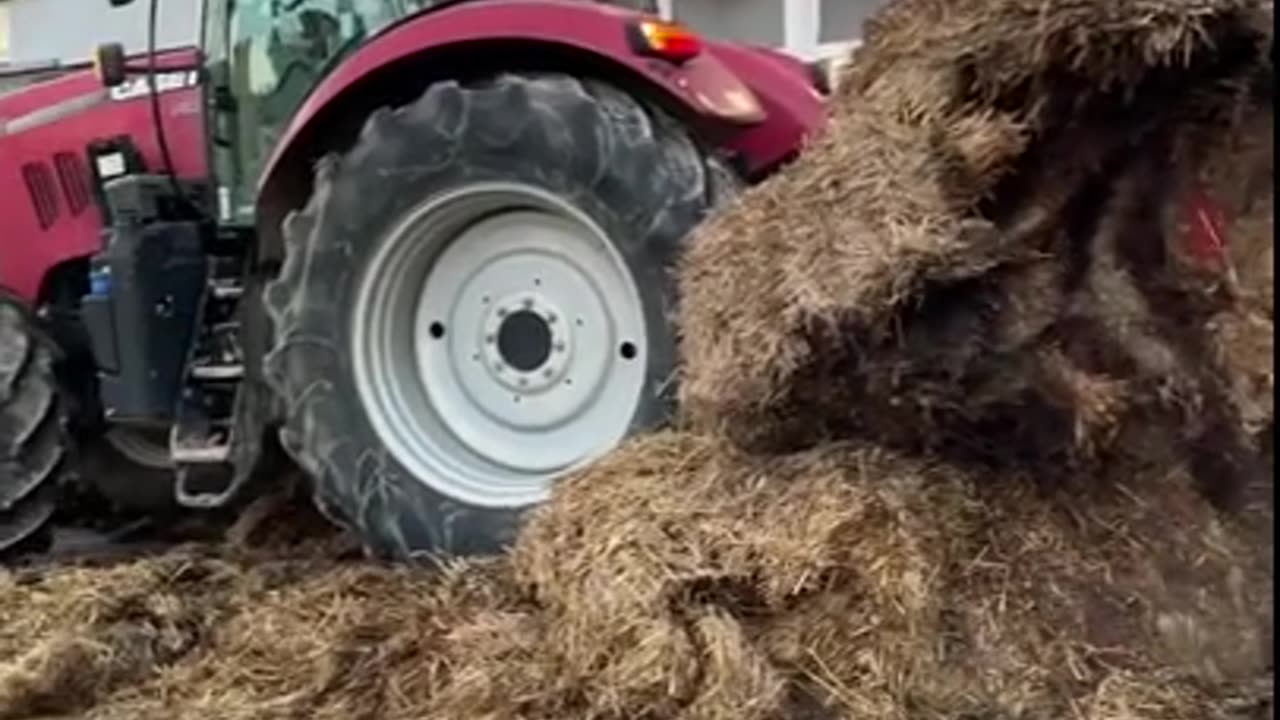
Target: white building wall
<point>4,32</point>
<point>809,28</point>
<point>753,21</point>
<point>842,19</point>
<point>69,30</point>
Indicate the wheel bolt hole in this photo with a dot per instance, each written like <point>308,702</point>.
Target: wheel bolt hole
<point>537,282</point>
<point>580,323</point>
<point>628,350</point>
<point>436,330</point>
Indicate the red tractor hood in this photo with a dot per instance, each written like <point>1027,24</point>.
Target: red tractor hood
<point>47,195</point>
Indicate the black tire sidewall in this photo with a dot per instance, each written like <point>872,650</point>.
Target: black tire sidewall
<point>645,190</point>
<point>38,369</point>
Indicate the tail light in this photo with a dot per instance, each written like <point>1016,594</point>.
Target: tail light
<point>663,39</point>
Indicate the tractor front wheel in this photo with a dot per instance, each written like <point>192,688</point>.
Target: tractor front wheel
<point>478,299</point>
<point>33,436</point>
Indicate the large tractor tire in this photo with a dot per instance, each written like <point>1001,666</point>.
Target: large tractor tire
<point>477,299</point>
<point>33,437</point>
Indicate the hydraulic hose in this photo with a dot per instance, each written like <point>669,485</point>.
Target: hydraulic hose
<point>157,119</point>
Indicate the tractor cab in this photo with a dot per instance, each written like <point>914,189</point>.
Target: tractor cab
<point>264,57</point>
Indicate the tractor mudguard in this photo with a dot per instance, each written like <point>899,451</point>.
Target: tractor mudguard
<point>793,107</point>
<point>738,98</point>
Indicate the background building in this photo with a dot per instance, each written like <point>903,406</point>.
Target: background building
<point>809,28</point>
<point>41,31</point>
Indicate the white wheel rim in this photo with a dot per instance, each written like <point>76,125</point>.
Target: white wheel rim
<point>499,341</point>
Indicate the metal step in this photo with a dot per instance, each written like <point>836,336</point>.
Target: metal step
<point>218,373</point>
<point>209,455</point>
<point>202,439</point>
<point>226,290</point>
<point>199,442</point>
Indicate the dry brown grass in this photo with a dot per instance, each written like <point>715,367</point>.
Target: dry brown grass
<point>973,264</point>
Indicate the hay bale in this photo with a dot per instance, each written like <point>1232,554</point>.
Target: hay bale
<point>980,256</point>
<point>1137,597</point>
<point>1240,177</point>
<point>646,563</point>
<point>1252,237</point>
<point>864,584</point>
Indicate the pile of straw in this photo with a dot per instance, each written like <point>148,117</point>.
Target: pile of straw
<point>959,395</point>
<point>985,257</point>
<point>680,580</point>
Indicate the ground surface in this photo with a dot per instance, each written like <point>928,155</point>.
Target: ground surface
<point>860,586</point>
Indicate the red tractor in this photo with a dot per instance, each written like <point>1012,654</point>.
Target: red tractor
<point>425,245</point>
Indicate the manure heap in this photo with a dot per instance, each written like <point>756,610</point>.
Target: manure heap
<point>977,419</point>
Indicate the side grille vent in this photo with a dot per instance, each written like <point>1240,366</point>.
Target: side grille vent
<point>43,192</point>
<point>74,180</point>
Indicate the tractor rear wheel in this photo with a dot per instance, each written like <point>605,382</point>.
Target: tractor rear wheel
<point>478,299</point>
<point>33,437</point>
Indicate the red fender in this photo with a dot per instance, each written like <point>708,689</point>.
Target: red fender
<point>785,89</point>
<point>766,119</point>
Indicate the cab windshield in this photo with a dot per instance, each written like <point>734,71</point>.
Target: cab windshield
<point>269,54</point>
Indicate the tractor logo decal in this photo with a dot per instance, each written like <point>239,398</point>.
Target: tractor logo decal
<point>165,82</point>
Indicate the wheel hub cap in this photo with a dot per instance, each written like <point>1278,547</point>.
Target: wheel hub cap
<point>498,342</point>
<point>524,340</point>
<point>526,344</point>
